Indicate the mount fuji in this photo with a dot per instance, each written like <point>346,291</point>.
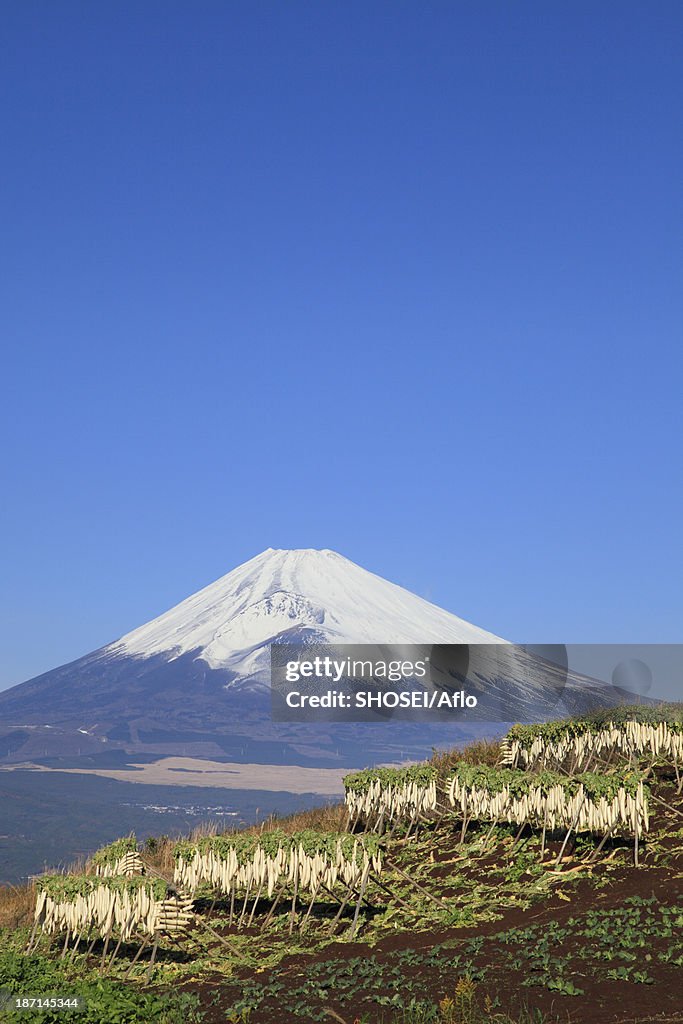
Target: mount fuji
<point>197,677</point>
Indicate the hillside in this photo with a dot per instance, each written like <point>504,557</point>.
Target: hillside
<point>462,919</point>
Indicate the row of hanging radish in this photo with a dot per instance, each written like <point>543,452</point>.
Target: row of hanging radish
<point>303,863</point>
<point>529,746</point>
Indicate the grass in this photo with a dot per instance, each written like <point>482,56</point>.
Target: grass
<point>16,906</point>
<point>106,1001</point>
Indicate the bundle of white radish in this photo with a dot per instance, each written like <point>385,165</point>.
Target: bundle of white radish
<point>383,795</point>
<point>322,859</point>
<point>587,802</point>
<point>226,864</point>
<point>580,742</point>
<point>308,860</point>
<point>105,905</point>
<point>119,858</point>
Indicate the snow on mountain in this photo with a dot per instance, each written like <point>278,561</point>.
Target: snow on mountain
<point>281,592</point>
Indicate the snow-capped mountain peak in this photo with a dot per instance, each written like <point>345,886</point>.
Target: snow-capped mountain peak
<point>280,591</point>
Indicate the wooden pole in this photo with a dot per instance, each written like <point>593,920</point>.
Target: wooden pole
<point>431,896</point>
<point>113,956</point>
<point>152,957</point>
<point>519,835</point>
<point>253,909</point>
<point>367,904</point>
<point>669,807</point>
<point>545,827</point>
<point>135,959</point>
<point>464,821</point>
<point>354,923</point>
<point>594,855</point>
<point>564,846</point>
<point>490,832</point>
<point>29,944</point>
<point>394,896</point>
<point>198,920</point>
<point>310,908</point>
<point>244,905</point>
<point>118,944</point>
<point>72,954</point>
<point>571,828</point>
<point>330,893</point>
<point>274,906</point>
<point>342,906</point>
<point>293,910</point>
<point>106,947</point>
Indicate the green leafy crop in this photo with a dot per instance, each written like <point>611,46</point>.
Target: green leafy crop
<point>420,774</point>
<point>65,888</point>
<point>115,851</point>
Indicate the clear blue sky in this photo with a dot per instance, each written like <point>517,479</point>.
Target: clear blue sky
<point>398,279</point>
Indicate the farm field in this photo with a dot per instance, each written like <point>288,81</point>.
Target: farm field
<point>537,880</point>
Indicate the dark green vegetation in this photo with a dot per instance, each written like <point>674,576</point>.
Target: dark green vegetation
<point>554,957</point>
<point>67,887</point>
<point>106,1001</point>
<point>455,930</point>
<point>421,774</point>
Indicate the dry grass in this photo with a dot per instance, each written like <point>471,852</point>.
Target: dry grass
<point>329,818</point>
<point>480,752</point>
<point>16,905</point>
